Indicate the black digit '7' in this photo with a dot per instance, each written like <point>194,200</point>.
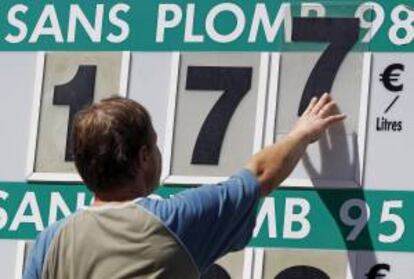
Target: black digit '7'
<point>342,33</point>
<point>235,82</point>
<point>76,94</point>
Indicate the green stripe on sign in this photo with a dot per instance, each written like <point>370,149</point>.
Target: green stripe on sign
<point>294,218</point>
<point>386,25</point>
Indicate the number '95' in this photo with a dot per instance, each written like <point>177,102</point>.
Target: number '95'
<point>354,213</point>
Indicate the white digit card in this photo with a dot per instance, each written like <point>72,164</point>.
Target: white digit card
<point>66,82</point>
<point>337,158</point>
<point>298,264</point>
<point>233,265</point>
<point>216,115</point>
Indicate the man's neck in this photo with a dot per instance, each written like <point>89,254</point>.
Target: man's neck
<point>98,202</point>
<point>119,196</point>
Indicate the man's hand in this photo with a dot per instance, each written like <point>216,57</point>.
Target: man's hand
<point>319,115</point>
<point>274,163</point>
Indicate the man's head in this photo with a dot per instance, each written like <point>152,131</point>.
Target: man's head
<point>115,149</point>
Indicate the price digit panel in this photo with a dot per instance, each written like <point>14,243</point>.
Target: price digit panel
<point>233,265</point>
<point>66,83</point>
<point>336,159</point>
<point>299,264</point>
<point>216,115</point>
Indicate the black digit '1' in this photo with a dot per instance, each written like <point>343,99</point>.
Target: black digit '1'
<point>76,94</point>
<point>235,82</point>
<point>342,34</point>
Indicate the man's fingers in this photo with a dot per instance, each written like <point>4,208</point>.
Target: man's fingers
<point>330,120</point>
<point>311,105</point>
<point>328,109</point>
<point>321,102</point>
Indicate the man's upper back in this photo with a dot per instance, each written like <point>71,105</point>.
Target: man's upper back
<point>96,243</point>
<point>148,238</point>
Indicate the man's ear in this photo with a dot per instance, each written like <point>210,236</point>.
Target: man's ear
<point>144,155</point>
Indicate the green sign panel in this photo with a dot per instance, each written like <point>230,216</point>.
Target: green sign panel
<point>305,218</point>
<point>385,25</point>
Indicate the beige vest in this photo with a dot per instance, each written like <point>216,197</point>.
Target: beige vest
<point>117,243</point>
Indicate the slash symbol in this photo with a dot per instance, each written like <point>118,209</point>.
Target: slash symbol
<point>392,104</point>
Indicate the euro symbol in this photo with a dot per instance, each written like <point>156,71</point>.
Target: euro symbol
<point>389,78</point>
<point>374,272</point>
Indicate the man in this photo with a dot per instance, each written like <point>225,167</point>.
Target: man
<point>125,234</point>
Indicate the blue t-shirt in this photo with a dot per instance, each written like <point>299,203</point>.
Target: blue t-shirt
<point>208,221</point>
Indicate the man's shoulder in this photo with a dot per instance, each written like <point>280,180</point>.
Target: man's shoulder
<point>40,248</point>
<point>46,237</point>
<point>210,220</point>
<point>50,232</point>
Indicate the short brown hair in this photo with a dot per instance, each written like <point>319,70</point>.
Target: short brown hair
<point>107,137</point>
